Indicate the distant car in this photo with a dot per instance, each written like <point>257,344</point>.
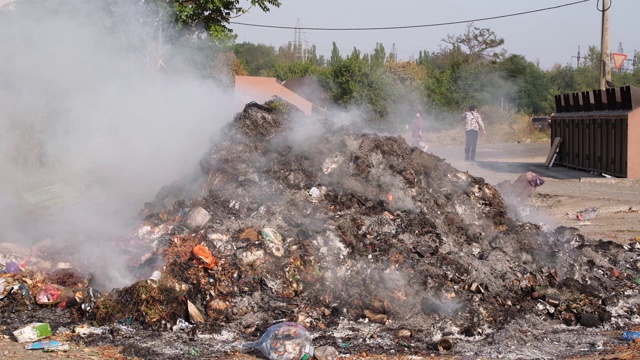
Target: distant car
<point>541,123</point>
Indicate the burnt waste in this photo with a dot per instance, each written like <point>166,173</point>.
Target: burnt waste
<point>372,245</point>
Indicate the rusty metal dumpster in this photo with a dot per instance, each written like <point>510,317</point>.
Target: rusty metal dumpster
<point>600,131</point>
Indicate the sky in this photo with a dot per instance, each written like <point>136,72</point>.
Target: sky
<point>546,37</point>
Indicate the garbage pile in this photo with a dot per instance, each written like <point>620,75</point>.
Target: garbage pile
<point>370,245</point>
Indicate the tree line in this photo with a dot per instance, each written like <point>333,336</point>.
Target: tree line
<point>187,36</point>
<point>471,68</point>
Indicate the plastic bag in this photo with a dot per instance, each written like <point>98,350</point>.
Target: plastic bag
<point>286,341</point>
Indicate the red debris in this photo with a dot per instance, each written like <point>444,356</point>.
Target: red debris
<point>204,257</point>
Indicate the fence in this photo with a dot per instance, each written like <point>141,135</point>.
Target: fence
<point>600,131</point>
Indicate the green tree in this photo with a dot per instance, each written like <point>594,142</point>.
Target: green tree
<point>562,79</point>
<point>257,59</point>
<point>211,16</point>
<point>533,94</point>
<point>335,58</point>
<point>296,69</point>
<point>354,82</point>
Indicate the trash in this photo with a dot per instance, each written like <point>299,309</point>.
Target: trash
<point>204,257</point>
<point>38,345</point>
<point>197,218</point>
<point>85,330</point>
<point>50,294</point>
<point>273,241</point>
<point>124,329</point>
<point>476,288</point>
<point>9,251</point>
<point>285,341</point>
<point>435,248</point>
<point>615,272</point>
<point>552,300</point>
<point>61,347</point>
<point>521,188</point>
<point>630,335</point>
<point>375,317</point>
<point>586,214</point>
<point>326,353</point>
<point>12,267</point>
<point>181,324</point>
<point>5,287</point>
<point>153,279</point>
<point>590,320</point>
<point>445,344</point>
<point>195,316</point>
<point>403,333</point>
<point>194,352</point>
<point>315,194</point>
<point>33,332</point>
<point>332,163</point>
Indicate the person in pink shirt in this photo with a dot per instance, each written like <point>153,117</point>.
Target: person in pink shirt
<point>416,130</point>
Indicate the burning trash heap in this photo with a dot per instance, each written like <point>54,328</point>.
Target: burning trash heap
<point>370,245</point>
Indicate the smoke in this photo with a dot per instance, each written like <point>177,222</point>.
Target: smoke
<point>87,112</point>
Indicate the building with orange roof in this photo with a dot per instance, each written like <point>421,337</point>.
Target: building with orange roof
<point>262,89</point>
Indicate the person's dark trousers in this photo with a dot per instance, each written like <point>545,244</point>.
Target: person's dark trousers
<point>470,144</point>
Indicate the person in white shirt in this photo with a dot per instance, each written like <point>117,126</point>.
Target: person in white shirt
<point>473,126</point>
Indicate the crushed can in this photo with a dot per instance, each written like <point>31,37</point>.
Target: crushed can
<point>154,278</point>
<point>33,332</point>
<point>286,341</point>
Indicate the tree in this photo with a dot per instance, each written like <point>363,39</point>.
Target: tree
<point>562,79</point>
<point>210,16</point>
<point>296,69</point>
<point>405,87</point>
<point>257,59</point>
<point>533,94</point>
<point>478,43</point>
<point>335,58</point>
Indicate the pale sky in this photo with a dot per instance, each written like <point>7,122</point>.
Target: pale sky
<point>550,37</point>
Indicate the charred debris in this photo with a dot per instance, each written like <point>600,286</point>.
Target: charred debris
<point>370,244</point>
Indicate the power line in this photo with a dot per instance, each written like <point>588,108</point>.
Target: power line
<point>411,26</point>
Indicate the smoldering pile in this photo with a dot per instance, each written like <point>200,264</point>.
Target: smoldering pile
<point>369,243</point>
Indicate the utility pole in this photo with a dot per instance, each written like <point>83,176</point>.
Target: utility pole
<point>605,68</point>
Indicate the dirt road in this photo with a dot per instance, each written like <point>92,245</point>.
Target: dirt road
<point>565,192</point>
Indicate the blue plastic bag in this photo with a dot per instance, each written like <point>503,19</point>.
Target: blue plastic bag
<point>631,335</point>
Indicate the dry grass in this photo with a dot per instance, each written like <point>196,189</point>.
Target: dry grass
<point>502,128</point>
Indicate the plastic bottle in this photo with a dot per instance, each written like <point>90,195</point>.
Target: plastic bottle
<point>631,335</point>
<point>286,341</point>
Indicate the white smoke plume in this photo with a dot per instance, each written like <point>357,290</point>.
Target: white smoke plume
<point>83,109</point>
